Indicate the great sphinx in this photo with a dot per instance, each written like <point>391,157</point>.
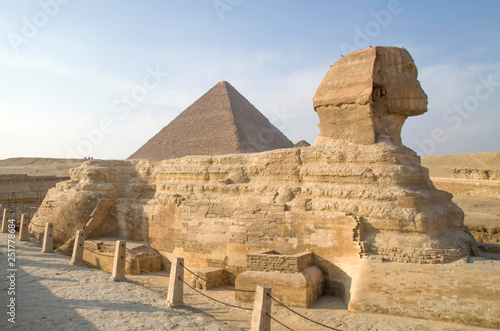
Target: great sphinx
<point>357,195</point>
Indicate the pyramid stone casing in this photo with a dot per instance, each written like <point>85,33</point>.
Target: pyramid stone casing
<point>222,121</point>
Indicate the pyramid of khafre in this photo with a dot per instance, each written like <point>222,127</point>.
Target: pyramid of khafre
<point>222,121</point>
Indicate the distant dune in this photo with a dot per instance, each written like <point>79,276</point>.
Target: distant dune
<point>441,165</point>
<point>33,166</point>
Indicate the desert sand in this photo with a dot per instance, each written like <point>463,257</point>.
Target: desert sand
<point>33,166</point>
<point>441,165</point>
<point>482,214</point>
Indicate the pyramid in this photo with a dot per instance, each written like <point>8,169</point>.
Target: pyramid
<point>222,121</point>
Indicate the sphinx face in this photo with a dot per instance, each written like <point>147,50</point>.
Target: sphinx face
<point>395,84</point>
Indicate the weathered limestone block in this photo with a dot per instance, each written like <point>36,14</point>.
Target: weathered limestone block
<point>96,197</point>
<point>300,289</point>
<point>293,278</point>
<point>212,278</point>
<point>141,257</point>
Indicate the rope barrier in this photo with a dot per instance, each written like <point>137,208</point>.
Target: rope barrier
<point>38,233</point>
<point>60,232</point>
<point>203,294</point>
<point>66,234</point>
<point>53,237</point>
<point>131,251</point>
<point>221,302</point>
<point>283,325</point>
<point>98,253</point>
<point>228,288</point>
<point>305,317</point>
<point>99,244</point>
<point>149,260</point>
<point>36,225</point>
<point>59,241</point>
<point>43,226</point>
<point>194,289</point>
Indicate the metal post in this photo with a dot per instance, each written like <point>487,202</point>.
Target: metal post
<point>77,257</point>
<point>48,239</point>
<point>23,228</point>
<point>261,320</point>
<point>175,284</point>
<point>118,273</point>
<point>5,220</point>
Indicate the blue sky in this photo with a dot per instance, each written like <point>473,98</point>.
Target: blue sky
<point>68,67</point>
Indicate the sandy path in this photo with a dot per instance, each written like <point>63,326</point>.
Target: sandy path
<point>52,295</point>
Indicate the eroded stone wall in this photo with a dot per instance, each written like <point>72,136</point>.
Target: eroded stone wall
<point>23,194</point>
<point>477,174</point>
<point>336,201</point>
<point>460,292</point>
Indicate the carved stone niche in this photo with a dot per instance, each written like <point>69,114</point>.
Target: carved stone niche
<point>294,279</point>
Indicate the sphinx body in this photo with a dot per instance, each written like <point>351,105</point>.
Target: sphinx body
<point>358,194</point>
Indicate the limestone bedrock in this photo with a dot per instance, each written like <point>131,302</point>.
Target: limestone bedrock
<point>357,195</point>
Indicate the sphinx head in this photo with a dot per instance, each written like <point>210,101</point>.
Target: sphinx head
<point>367,95</point>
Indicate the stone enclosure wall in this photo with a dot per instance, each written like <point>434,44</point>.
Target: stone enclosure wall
<point>469,187</point>
<point>23,193</point>
<point>460,292</point>
<point>478,174</point>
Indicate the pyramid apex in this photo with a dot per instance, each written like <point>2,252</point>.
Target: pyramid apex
<point>223,83</point>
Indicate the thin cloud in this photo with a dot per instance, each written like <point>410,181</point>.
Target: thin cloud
<point>89,79</point>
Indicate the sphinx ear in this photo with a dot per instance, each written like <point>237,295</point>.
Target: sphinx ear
<point>378,93</point>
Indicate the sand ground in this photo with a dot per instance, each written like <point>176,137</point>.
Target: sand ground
<point>53,295</point>
<point>479,211</point>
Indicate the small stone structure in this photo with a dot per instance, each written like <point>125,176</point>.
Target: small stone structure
<point>293,278</point>
<point>100,252</point>
<point>210,278</point>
